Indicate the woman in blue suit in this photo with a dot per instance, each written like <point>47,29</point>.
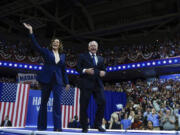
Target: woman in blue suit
<point>52,77</point>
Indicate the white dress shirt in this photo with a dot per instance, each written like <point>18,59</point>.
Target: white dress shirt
<point>96,60</point>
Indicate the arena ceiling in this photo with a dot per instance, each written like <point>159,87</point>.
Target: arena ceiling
<point>108,21</point>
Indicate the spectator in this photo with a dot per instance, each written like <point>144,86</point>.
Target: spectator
<point>6,122</point>
<point>137,124</point>
<point>149,125</point>
<point>114,121</point>
<point>125,122</point>
<point>154,117</point>
<point>168,121</point>
<point>74,123</point>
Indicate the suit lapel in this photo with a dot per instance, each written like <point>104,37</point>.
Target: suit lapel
<point>89,58</point>
<point>53,56</point>
<point>61,58</point>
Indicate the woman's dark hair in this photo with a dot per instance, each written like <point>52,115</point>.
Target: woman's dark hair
<point>60,44</point>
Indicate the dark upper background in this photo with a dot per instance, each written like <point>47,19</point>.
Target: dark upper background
<point>76,22</point>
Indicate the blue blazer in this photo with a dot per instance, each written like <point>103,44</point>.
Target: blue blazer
<point>85,61</point>
<point>50,68</point>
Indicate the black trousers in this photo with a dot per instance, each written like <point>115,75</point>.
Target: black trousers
<point>85,95</point>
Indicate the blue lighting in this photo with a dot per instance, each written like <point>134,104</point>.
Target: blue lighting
<point>35,67</point>
<point>170,61</point>
<point>144,64</point>
<point>76,72</point>
<point>175,61</point>
<point>154,63</point>
<point>25,66</point>
<point>138,65</point>
<point>159,62</point>
<point>72,71</point>
<point>15,65</point>
<point>110,68</point>
<point>114,68</point>
<point>148,64</point>
<point>124,67</point>
<point>40,67</point>
<point>10,64</point>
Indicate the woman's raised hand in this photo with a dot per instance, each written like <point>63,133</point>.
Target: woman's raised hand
<point>29,27</point>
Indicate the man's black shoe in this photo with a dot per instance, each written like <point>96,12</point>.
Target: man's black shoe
<point>84,130</point>
<point>58,130</point>
<point>100,129</point>
<point>40,129</point>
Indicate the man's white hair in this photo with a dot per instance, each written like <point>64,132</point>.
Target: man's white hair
<point>93,42</point>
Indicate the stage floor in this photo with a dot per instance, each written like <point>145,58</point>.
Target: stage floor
<point>33,131</point>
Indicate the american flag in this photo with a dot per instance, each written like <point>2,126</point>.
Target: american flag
<point>69,105</point>
<point>13,102</point>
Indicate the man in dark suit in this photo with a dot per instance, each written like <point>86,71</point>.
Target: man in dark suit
<point>6,122</point>
<point>91,69</point>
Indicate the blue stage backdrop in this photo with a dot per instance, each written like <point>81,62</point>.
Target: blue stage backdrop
<point>33,108</point>
<point>113,99</point>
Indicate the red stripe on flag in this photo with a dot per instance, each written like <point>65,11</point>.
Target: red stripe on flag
<point>77,101</point>
<point>64,116</point>
<point>27,99</point>
<point>72,113</point>
<point>19,91</point>
<point>3,111</point>
<point>8,111</point>
<point>0,112</point>
<point>21,111</point>
<point>12,111</point>
<point>68,115</point>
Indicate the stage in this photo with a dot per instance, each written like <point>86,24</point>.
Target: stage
<point>68,131</point>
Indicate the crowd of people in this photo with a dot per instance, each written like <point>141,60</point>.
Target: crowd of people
<point>151,105</point>
<point>141,52</point>
<point>7,79</point>
<point>115,55</point>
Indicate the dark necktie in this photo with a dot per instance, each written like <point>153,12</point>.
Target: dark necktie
<point>94,61</point>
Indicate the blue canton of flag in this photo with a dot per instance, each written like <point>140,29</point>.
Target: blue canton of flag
<point>67,97</point>
<point>8,92</point>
